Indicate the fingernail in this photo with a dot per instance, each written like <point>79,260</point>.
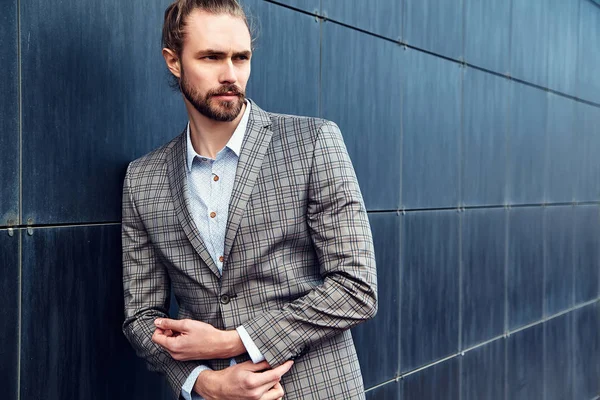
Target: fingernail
<point>157,322</point>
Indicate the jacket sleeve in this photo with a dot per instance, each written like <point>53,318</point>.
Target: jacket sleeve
<point>146,287</point>
<point>341,235</point>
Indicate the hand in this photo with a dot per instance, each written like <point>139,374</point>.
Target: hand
<point>187,339</point>
<point>245,381</point>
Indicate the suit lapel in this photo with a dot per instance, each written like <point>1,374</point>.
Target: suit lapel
<point>255,145</point>
<point>177,175</point>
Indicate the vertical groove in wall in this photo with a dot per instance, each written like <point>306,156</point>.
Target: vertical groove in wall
<point>399,283</point>
<point>506,330</point>
<point>20,218</point>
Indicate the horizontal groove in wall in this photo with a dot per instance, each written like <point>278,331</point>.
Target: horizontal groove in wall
<point>506,335</point>
<point>465,63</point>
<point>486,207</point>
<point>65,225</point>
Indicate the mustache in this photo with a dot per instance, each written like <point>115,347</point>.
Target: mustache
<point>226,89</point>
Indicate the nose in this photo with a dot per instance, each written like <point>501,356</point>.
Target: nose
<point>228,73</point>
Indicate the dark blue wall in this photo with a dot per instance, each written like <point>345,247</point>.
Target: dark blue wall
<point>474,128</point>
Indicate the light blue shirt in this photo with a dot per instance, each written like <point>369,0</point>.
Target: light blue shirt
<point>210,183</point>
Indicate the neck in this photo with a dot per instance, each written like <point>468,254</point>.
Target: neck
<point>209,136</point>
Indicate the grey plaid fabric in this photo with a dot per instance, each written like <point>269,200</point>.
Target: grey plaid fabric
<point>299,267</point>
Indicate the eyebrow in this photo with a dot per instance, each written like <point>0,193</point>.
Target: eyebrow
<point>211,52</point>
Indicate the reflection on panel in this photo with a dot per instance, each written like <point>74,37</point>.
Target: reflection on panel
<point>587,136</point>
<point>435,25</point>
<point>95,96</point>
<point>525,266</point>
<point>586,351</point>
<point>561,153</point>
<point>431,130</point>
<point>285,62</point>
<point>558,357</point>
<point>586,231</point>
<point>526,144</point>
<point>72,344</point>
<point>383,17</point>
<point>429,288</point>
<point>379,358</point>
<point>483,153</point>
<point>529,41</point>
<point>589,51</point>
<point>558,269</point>
<point>482,372</point>
<point>483,283</point>
<point>9,116</point>
<point>525,364</point>
<point>436,382</point>
<point>487,34</point>
<point>9,313</point>
<point>389,391</point>
<point>563,30</point>
<point>363,97</point>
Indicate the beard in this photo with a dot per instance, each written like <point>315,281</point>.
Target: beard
<point>217,110</point>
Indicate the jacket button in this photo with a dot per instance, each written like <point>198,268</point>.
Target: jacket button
<point>225,299</point>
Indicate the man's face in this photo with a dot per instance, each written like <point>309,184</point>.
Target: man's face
<point>215,64</point>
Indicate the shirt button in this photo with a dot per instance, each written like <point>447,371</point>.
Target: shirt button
<point>225,299</point>
<point>221,259</point>
<point>213,214</point>
<point>216,178</point>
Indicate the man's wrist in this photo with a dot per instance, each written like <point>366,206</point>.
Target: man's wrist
<point>233,345</point>
<point>203,381</point>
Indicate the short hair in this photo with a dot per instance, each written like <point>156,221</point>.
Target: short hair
<point>176,14</point>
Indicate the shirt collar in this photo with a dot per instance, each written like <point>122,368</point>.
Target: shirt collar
<point>234,143</point>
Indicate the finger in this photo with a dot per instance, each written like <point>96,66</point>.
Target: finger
<point>172,324</point>
<point>168,332</point>
<point>250,366</point>
<point>273,375</point>
<point>275,393</point>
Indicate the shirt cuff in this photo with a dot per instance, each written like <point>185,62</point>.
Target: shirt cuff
<point>251,348</point>
<point>187,390</point>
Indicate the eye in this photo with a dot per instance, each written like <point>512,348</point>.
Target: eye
<point>210,58</point>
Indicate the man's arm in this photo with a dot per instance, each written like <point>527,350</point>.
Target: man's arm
<point>146,287</point>
<point>341,235</point>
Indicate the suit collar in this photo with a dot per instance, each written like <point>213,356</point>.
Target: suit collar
<point>176,172</point>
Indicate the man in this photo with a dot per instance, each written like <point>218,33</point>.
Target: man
<point>256,222</point>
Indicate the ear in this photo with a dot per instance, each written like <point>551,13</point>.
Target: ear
<point>172,62</point>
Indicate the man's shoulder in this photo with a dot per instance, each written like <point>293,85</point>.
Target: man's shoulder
<point>154,160</point>
<point>288,124</point>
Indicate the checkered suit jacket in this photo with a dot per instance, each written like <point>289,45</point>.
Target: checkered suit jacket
<point>299,266</point>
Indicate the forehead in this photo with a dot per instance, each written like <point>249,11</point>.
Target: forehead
<point>216,31</point>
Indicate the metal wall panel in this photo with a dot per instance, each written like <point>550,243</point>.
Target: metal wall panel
<point>377,340</point>
<point>558,358</point>
<point>352,91</point>
<point>558,259</point>
<point>429,288</point>
<point>483,283</point>
<point>389,391</point>
<point>529,41</point>
<point>485,116</point>
<point>563,30</point>
<point>311,6</point>
<point>278,82</point>
<point>586,351</point>
<point>561,147</point>
<point>435,25</point>
<point>586,222</point>
<point>483,372</point>
<point>72,344</point>
<point>589,51</point>
<point>9,313</point>
<point>525,266</point>
<point>487,34</point>
<point>525,359</point>
<point>95,96</point>
<point>382,17</point>
<point>436,382</point>
<point>526,144</point>
<point>9,115</point>
<point>431,126</point>
<point>587,136</point>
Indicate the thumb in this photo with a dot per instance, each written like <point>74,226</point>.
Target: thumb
<point>166,323</point>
